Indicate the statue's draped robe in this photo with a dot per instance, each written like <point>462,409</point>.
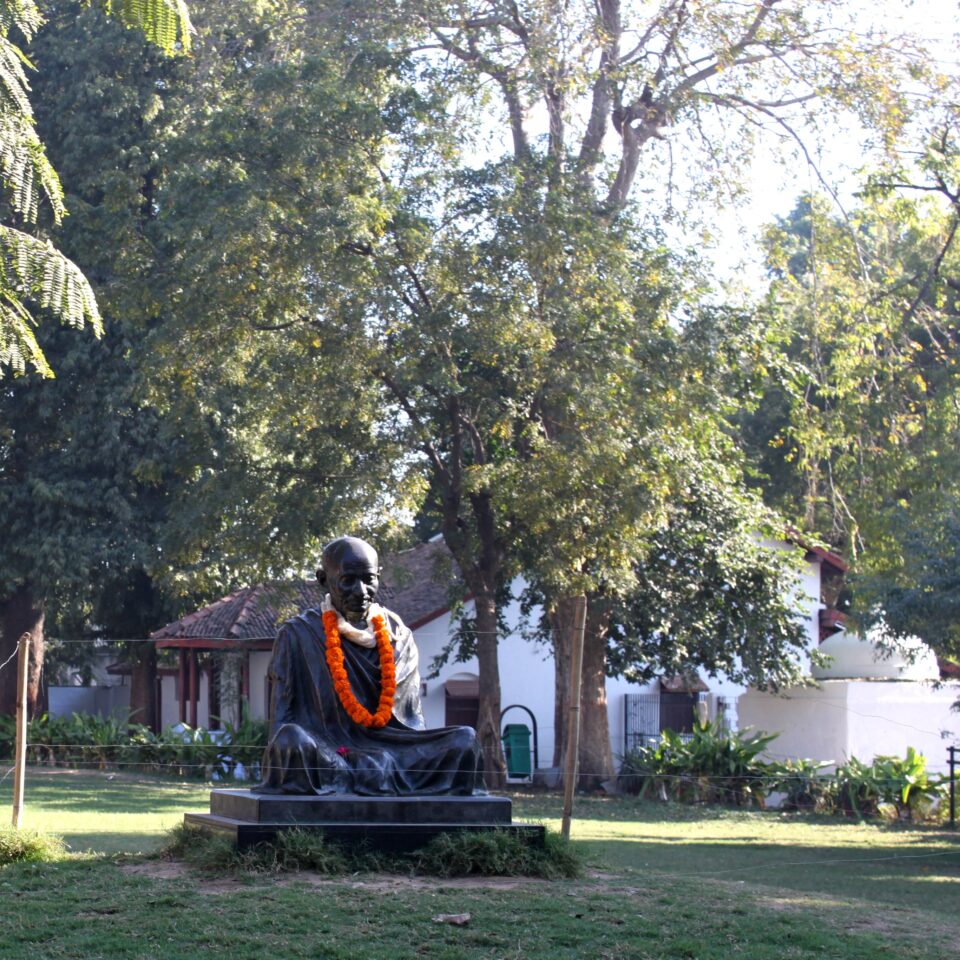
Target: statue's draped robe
<point>316,748</point>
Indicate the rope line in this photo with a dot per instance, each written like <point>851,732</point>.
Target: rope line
<point>692,779</point>
<point>12,655</point>
<point>226,748</point>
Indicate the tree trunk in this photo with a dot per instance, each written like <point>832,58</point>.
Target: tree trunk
<point>481,562</point>
<point>561,624</point>
<point>143,687</point>
<point>595,755</point>
<point>20,613</point>
<point>488,720</point>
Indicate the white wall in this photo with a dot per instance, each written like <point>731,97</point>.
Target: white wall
<point>887,717</point>
<point>841,719</point>
<point>101,700</point>
<point>169,708</point>
<point>810,723</point>
<point>259,662</point>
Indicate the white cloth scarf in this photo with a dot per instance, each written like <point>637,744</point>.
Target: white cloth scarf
<point>362,638</point>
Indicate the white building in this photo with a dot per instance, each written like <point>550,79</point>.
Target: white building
<point>867,702</point>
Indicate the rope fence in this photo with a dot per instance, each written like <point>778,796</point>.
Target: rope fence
<point>837,705</point>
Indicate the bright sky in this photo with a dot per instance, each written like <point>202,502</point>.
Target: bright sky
<point>776,187</point>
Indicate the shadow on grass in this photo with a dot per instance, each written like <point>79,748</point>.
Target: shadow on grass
<point>923,876</point>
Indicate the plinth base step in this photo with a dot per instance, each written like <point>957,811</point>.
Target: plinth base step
<point>385,837</point>
<point>351,808</point>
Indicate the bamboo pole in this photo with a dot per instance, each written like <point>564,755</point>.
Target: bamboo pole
<point>20,753</point>
<point>573,714</point>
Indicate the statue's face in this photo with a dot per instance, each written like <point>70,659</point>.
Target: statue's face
<point>352,576</point>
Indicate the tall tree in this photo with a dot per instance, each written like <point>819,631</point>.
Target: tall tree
<point>865,438</point>
<point>74,474</point>
<point>496,322</point>
<point>176,453</point>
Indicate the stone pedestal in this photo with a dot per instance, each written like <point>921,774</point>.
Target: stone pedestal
<point>389,824</point>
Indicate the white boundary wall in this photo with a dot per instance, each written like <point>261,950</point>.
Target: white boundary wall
<point>841,719</point>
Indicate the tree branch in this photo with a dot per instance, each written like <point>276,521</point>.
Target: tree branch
<point>406,405</point>
<point>602,96</point>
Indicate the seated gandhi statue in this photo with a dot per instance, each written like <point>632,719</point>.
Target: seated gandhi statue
<point>345,698</point>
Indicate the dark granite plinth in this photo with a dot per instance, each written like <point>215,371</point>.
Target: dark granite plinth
<point>350,808</point>
<point>391,824</point>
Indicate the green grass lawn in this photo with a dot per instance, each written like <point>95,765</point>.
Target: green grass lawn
<point>663,882</point>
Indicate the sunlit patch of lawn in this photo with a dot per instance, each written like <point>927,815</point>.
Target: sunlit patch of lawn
<point>665,882</point>
<point>105,812</point>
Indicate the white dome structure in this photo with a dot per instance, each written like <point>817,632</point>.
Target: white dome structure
<point>858,658</point>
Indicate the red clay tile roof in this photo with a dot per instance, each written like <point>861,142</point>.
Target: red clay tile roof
<point>416,584</point>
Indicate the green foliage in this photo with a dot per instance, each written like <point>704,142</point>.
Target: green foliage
<point>87,740</point>
<point>35,278</point>
<point>859,788</point>
<point>709,766</point>
<point>163,453</point>
<point>488,853</point>
<point>860,439</point>
<point>917,587</point>
<point>713,767</point>
<point>33,274</point>
<point>710,594</point>
<point>901,783</point>
<point>165,23</point>
<point>82,473</point>
<point>28,846</point>
<point>804,786</point>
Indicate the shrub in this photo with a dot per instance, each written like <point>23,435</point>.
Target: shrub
<point>710,766</point>
<point>497,853</point>
<point>480,853</point>
<point>293,850</point>
<point>27,846</point>
<point>805,787</point>
<point>858,791</point>
<point>902,784</point>
<point>246,741</point>
<point>84,739</point>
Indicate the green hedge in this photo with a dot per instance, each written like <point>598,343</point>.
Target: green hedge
<point>711,765</point>
<point>88,740</point>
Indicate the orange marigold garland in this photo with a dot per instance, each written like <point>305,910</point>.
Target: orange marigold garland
<point>341,682</point>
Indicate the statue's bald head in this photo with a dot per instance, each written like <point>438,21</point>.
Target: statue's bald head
<point>351,574</point>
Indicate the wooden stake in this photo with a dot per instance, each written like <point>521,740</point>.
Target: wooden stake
<point>573,714</point>
<point>20,754</point>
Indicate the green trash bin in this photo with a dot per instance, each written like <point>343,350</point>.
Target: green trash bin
<point>516,748</point>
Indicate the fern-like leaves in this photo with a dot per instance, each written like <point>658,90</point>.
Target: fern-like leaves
<point>25,171</point>
<point>165,23</point>
<point>34,272</point>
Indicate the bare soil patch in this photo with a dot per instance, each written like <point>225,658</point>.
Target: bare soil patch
<point>379,883</point>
